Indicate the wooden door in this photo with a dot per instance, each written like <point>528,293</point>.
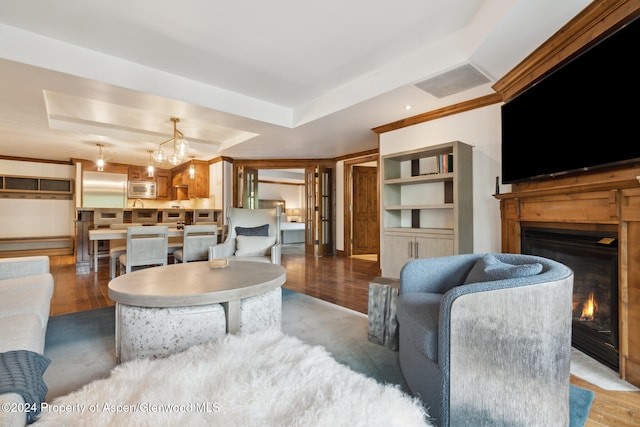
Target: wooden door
<point>310,211</point>
<point>319,211</point>
<point>248,194</point>
<point>365,232</point>
<point>325,211</point>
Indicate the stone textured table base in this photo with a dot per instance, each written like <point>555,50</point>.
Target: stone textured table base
<point>261,312</point>
<point>150,332</point>
<point>383,324</point>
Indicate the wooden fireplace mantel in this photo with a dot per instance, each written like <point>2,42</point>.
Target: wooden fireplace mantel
<point>607,200</point>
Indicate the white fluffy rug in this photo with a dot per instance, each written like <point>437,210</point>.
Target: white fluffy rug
<point>262,379</point>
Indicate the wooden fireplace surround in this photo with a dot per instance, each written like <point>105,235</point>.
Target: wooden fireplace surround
<point>604,200</point>
<point>596,201</point>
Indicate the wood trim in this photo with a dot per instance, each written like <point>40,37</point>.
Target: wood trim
<point>220,159</point>
<point>594,22</point>
<point>282,163</point>
<point>29,159</point>
<point>30,246</point>
<point>461,107</point>
<point>373,152</point>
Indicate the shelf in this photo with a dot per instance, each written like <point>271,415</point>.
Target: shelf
<point>418,207</point>
<point>420,179</point>
<point>430,230</point>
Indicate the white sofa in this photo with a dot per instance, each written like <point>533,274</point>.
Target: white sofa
<point>26,288</point>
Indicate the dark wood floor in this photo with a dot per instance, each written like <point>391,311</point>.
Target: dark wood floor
<point>340,280</point>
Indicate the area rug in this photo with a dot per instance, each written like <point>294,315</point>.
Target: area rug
<point>81,346</point>
<point>262,379</point>
<point>580,401</point>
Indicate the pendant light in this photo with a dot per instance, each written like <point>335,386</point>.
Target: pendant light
<point>150,168</point>
<point>100,161</point>
<point>192,169</point>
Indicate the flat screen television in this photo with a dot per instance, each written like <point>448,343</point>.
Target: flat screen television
<point>582,116</point>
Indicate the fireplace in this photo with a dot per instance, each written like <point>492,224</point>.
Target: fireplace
<point>593,257</point>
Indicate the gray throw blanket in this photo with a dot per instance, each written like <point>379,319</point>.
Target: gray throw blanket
<point>21,372</point>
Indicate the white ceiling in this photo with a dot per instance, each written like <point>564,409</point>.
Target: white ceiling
<point>248,79</point>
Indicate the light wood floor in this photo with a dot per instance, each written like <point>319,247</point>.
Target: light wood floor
<point>340,280</point>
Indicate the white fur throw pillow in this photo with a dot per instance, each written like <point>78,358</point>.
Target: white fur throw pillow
<point>254,245</point>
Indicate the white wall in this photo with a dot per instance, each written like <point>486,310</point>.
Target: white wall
<point>293,195</point>
<point>32,217</point>
<point>215,184</point>
<point>481,129</point>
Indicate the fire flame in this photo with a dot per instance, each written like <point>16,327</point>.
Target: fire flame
<point>589,308</point>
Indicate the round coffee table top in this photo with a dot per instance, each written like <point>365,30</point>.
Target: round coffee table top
<point>195,283</point>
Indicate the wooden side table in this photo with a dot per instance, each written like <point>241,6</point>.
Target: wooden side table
<point>383,324</point>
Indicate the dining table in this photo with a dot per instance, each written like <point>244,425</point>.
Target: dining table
<point>101,234</point>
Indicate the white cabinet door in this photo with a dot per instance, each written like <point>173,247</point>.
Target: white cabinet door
<point>433,246</point>
<point>397,251</point>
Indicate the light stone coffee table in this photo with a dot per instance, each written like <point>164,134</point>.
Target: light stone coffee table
<point>164,310</point>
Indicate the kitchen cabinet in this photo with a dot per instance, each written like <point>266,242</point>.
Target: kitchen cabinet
<point>30,187</point>
<point>163,185</point>
<point>184,187</point>
<point>426,204</point>
<point>139,173</point>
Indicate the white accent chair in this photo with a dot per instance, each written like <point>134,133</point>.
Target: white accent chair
<point>240,246</point>
<point>196,242</point>
<point>146,246</point>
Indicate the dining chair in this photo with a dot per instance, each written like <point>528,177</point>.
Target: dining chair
<point>196,242</point>
<point>172,215</point>
<point>118,247</point>
<point>106,217</point>
<point>146,246</point>
<point>174,242</point>
<point>204,215</point>
<point>221,229</point>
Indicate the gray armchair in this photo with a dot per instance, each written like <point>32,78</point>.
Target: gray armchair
<point>253,235</point>
<point>485,339</point>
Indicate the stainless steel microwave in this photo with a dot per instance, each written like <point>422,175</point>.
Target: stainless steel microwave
<point>142,190</point>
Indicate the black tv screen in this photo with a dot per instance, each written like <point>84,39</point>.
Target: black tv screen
<point>582,116</point>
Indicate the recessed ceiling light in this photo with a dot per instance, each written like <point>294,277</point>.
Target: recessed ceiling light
<point>408,107</point>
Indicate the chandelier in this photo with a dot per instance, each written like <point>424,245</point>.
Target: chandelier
<point>180,147</point>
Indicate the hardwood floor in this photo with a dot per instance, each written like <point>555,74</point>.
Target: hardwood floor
<point>340,280</point>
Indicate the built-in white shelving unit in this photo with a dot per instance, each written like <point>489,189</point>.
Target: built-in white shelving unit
<point>426,204</point>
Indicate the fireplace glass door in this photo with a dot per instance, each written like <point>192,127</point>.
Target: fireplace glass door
<point>593,257</point>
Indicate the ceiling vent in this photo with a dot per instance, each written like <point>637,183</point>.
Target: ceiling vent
<point>453,81</point>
